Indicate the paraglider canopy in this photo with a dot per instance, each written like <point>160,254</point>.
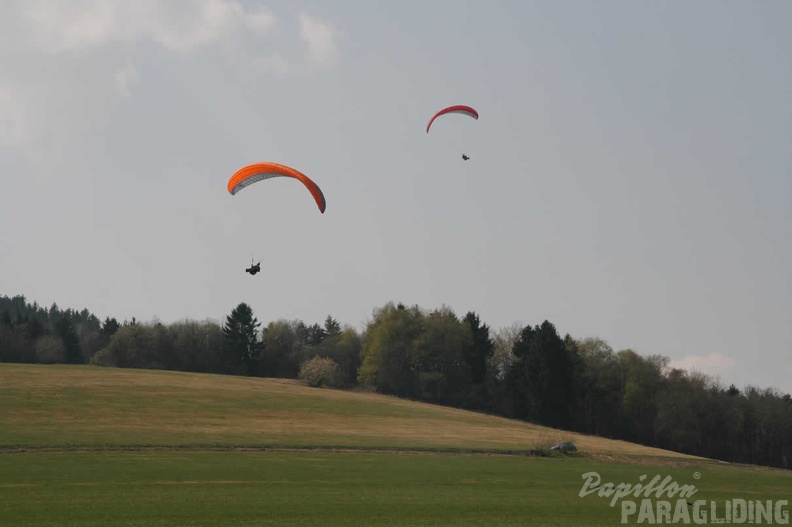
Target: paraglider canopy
<point>256,172</point>
<point>459,108</point>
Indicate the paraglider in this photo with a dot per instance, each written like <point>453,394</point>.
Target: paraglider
<point>253,269</point>
<point>256,172</point>
<point>459,108</point>
<point>250,174</point>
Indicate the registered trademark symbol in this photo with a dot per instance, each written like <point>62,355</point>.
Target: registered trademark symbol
<point>697,475</point>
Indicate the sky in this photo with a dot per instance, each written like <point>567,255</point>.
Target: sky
<point>630,175</point>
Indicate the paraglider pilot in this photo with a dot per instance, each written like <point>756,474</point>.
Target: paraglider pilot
<point>465,157</point>
<point>253,269</point>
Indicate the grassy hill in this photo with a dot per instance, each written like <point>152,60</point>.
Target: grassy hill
<point>92,407</point>
<point>96,446</point>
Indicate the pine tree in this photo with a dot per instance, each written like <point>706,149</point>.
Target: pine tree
<point>314,335</point>
<point>542,378</point>
<point>480,349</point>
<point>109,327</point>
<point>331,327</point>
<point>241,347</point>
<point>71,342</point>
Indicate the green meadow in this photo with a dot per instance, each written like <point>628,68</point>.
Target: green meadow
<point>98,446</point>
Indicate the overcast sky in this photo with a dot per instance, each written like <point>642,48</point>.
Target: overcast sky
<point>630,174</point>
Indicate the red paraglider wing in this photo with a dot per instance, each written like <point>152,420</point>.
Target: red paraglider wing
<point>466,110</point>
<point>256,172</point>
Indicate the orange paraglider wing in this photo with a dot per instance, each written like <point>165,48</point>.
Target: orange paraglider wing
<point>256,172</point>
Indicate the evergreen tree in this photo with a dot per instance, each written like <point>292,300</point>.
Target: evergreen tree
<point>109,327</point>
<point>35,328</point>
<point>71,342</point>
<point>331,327</point>
<point>480,349</point>
<point>314,335</point>
<point>241,346</point>
<point>542,379</point>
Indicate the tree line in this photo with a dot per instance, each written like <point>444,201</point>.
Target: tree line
<point>524,372</point>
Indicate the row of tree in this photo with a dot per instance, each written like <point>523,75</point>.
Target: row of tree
<point>530,373</point>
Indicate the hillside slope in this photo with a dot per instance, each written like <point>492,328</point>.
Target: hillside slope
<point>93,407</point>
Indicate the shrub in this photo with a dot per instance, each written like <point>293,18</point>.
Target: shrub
<point>319,371</point>
<point>50,350</point>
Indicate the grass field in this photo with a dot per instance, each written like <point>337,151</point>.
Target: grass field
<point>98,446</point>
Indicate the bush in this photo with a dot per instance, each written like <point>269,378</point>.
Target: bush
<point>50,350</point>
<point>319,371</point>
<point>103,357</point>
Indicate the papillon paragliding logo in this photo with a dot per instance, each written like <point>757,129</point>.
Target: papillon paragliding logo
<point>657,487</point>
<point>663,501</point>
